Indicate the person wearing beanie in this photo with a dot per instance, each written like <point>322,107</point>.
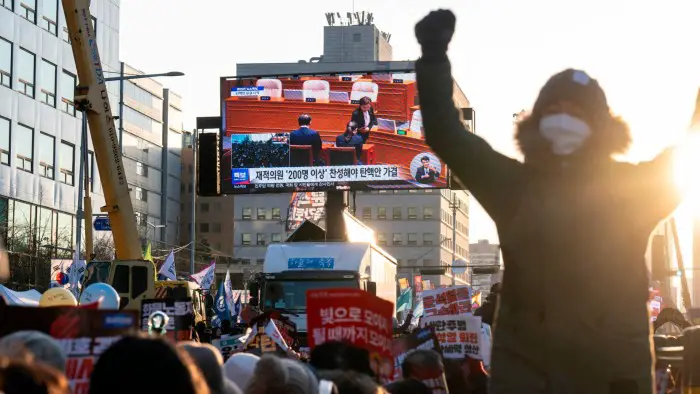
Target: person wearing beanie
<point>210,362</point>
<point>275,375</point>
<point>239,368</point>
<point>573,224</point>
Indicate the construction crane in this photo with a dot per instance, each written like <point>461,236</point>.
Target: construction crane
<point>132,277</point>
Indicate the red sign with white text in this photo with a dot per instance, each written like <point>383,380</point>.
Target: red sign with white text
<point>357,317</point>
<point>449,301</point>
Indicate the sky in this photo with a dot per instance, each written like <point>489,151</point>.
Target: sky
<point>502,53</point>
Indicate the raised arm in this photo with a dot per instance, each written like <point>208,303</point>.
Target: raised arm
<point>494,179</point>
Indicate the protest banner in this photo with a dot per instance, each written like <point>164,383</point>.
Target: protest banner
<point>228,345</point>
<point>357,317</point>
<point>459,335</point>
<point>423,339</point>
<point>455,300</point>
<point>266,338</point>
<point>82,333</point>
<point>180,312</point>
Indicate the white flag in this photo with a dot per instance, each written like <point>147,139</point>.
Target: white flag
<point>272,332</point>
<point>228,293</point>
<point>168,267</point>
<point>205,277</point>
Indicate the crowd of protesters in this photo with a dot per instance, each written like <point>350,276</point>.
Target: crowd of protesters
<point>259,154</point>
<point>33,362</point>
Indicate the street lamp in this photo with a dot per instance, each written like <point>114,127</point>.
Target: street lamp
<point>121,78</point>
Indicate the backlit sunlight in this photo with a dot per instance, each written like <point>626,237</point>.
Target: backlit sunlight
<point>686,166</point>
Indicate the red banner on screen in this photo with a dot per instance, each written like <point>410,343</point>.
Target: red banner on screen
<point>357,317</point>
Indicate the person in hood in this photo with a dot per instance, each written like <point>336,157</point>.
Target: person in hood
<point>573,225</point>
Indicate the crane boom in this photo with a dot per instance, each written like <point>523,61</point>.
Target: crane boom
<point>93,99</point>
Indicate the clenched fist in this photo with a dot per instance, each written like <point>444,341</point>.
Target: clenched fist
<point>434,32</point>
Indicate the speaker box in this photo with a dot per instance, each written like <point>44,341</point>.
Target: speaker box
<point>208,165</point>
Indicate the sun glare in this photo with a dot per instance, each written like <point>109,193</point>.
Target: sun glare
<point>685,171</point>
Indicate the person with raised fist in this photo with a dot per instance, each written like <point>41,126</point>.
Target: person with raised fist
<point>573,225</point>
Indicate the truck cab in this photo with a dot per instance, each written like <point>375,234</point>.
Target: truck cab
<point>132,279</point>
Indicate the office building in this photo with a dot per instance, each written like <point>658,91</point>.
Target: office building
<point>414,226</point>
<point>40,140</point>
<point>485,254</point>
<point>40,132</point>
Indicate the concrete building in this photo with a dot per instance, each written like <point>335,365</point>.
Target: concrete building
<point>40,131</point>
<point>414,226</point>
<point>484,253</point>
<point>152,144</point>
<point>40,139</point>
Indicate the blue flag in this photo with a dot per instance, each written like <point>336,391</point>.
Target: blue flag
<point>220,307</point>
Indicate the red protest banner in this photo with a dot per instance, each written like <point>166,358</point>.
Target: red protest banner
<point>82,333</point>
<point>449,301</point>
<point>357,317</point>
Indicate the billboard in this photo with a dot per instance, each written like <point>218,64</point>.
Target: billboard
<point>320,133</point>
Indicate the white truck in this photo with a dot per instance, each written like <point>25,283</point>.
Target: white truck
<point>290,269</point>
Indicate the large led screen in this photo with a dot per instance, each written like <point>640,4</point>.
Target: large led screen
<point>317,133</point>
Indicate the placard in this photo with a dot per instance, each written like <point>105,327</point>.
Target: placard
<point>357,317</point>
<point>180,312</point>
<point>458,335</point>
<point>423,339</point>
<point>448,301</point>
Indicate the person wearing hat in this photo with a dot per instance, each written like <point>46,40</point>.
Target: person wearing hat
<point>573,225</point>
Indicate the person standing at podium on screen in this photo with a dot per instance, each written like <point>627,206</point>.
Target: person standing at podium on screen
<point>426,173</point>
<point>364,117</point>
<point>304,135</point>
<point>350,139</point>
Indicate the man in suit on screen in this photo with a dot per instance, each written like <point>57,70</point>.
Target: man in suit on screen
<point>426,173</point>
<point>304,135</point>
<point>364,117</point>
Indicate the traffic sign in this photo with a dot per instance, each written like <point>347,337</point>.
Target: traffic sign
<point>102,224</point>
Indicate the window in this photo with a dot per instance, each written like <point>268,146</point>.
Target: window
<point>428,239</point>
<point>28,10</point>
<point>412,213</point>
<point>276,213</point>
<point>49,15</point>
<point>412,239</point>
<point>216,227</point>
<point>260,261</point>
<point>141,169</point>
<point>25,147</point>
<point>277,237</point>
<point>427,212</point>
<point>381,213</point>
<point>245,261</point>
<point>46,155</point>
<point>25,72</point>
<point>142,121</point>
<point>204,207</point>
<point>247,213</point>
<point>261,239</point>
<point>47,83</point>
<point>142,96</point>
<point>397,239</point>
<point>367,213</point>
<point>4,141</point>
<point>141,195</point>
<point>67,88</point>
<point>381,238</point>
<point>174,142</point>
<point>66,157</point>
<point>204,227</point>
<point>7,4</point>
<point>141,219</point>
<point>5,62</point>
<point>396,213</point>
<point>245,239</point>
<point>91,170</point>
<point>262,214</point>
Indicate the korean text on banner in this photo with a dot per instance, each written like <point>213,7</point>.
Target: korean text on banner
<point>423,339</point>
<point>450,301</point>
<point>228,345</point>
<point>82,333</point>
<point>357,317</point>
<point>459,335</point>
<point>180,312</point>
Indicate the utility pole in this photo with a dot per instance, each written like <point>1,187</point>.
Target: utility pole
<point>193,203</point>
<point>454,205</point>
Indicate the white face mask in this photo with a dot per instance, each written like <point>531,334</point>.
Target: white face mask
<point>566,133</point>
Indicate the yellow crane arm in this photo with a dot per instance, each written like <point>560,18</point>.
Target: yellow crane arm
<point>93,98</point>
